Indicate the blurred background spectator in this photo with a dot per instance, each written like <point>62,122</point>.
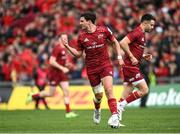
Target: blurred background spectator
<point>29,29</point>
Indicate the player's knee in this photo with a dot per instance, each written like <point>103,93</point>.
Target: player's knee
<point>109,93</point>
<point>143,92</point>
<point>146,91</point>
<point>99,96</point>
<point>51,93</point>
<point>98,89</point>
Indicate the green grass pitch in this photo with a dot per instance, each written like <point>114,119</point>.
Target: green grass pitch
<point>137,120</point>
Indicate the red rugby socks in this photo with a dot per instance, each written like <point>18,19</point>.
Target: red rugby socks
<point>35,96</point>
<point>133,96</point>
<point>67,108</point>
<point>112,105</point>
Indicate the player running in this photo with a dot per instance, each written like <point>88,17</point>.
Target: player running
<point>94,41</point>
<point>133,45</point>
<point>57,75</point>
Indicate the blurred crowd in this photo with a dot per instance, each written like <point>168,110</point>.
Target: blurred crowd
<point>30,28</point>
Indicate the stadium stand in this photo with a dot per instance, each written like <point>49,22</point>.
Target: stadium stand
<point>29,29</point>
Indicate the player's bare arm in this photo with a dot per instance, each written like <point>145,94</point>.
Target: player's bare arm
<point>124,45</point>
<point>118,52</point>
<point>147,57</point>
<point>72,50</point>
<point>52,62</point>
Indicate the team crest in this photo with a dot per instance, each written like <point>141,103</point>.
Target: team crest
<point>86,40</point>
<point>100,36</point>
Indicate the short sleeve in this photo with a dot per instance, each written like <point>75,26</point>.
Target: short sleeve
<point>109,34</point>
<point>132,36</point>
<point>79,44</point>
<point>55,52</point>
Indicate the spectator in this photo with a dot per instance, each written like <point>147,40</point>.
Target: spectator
<point>38,22</point>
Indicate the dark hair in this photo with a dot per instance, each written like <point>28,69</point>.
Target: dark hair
<point>147,17</point>
<point>89,16</point>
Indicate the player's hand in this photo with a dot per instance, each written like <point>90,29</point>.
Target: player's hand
<point>70,66</point>
<point>65,70</point>
<point>147,57</point>
<point>134,61</point>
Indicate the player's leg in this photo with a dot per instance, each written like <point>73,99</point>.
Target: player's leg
<point>37,103</point>
<point>42,88</point>
<point>106,76</point>
<point>128,88</point>
<point>133,77</point>
<point>48,93</point>
<point>107,80</point>
<point>132,96</point>
<point>126,74</point>
<point>108,87</point>
<point>45,103</point>
<point>65,89</point>
<point>42,94</point>
<point>143,90</point>
<point>98,94</point>
<point>143,101</point>
<point>54,80</point>
<point>37,100</point>
<point>144,98</point>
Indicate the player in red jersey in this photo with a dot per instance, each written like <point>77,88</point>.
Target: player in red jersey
<point>94,40</point>
<point>133,45</point>
<point>40,78</point>
<point>57,76</point>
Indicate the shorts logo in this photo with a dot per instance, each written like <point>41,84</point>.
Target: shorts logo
<point>138,75</point>
<point>100,36</point>
<point>131,79</point>
<point>52,82</point>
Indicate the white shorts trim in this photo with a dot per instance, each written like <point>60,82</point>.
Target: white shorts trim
<point>137,82</point>
<point>98,88</point>
<point>125,83</point>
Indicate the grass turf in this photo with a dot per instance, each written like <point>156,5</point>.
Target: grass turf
<point>137,120</point>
